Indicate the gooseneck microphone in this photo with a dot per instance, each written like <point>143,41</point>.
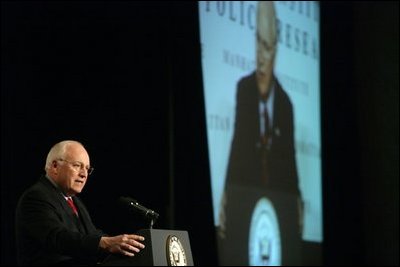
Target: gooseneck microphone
<point>133,205</point>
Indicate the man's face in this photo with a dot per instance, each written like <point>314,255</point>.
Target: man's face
<point>72,171</point>
<point>266,45</point>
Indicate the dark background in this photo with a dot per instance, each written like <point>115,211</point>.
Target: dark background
<point>124,78</point>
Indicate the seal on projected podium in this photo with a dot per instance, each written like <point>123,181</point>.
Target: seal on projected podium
<point>175,252</point>
<point>264,237</point>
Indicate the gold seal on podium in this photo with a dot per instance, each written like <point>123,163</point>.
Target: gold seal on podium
<point>175,252</point>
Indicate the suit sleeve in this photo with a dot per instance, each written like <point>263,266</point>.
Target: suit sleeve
<point>233,170</point>
<point>39,219</point>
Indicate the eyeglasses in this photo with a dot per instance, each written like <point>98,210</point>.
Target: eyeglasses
<point>78,166</point>
<point>266,47</point>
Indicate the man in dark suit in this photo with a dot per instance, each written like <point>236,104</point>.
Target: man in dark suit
<point>248,144</point>
<point>262,157</point>
<point>53,227</point>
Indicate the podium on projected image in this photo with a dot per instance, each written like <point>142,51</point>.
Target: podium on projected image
<point>163,248</point>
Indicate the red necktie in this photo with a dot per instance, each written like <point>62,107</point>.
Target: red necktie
<point>265,144</point>
<point>72,205</point>
<point>266,136</point>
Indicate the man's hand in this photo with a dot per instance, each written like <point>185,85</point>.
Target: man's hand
<point>123,244</point>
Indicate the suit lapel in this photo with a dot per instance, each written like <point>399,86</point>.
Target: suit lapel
<point>72,219</point>
<point>83,215</point>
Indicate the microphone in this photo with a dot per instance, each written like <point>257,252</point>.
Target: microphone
<point>133,205</point>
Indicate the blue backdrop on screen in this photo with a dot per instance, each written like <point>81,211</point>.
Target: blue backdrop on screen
<point>228,42</point>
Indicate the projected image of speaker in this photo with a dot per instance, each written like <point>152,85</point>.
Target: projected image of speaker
<point>260,65</point>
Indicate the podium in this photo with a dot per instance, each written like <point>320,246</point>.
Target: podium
<point>262,228</point>
<point>163,248</point>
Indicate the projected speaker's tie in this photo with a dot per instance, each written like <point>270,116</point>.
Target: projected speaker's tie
<point>72,206</point>
<point>265,141</point>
